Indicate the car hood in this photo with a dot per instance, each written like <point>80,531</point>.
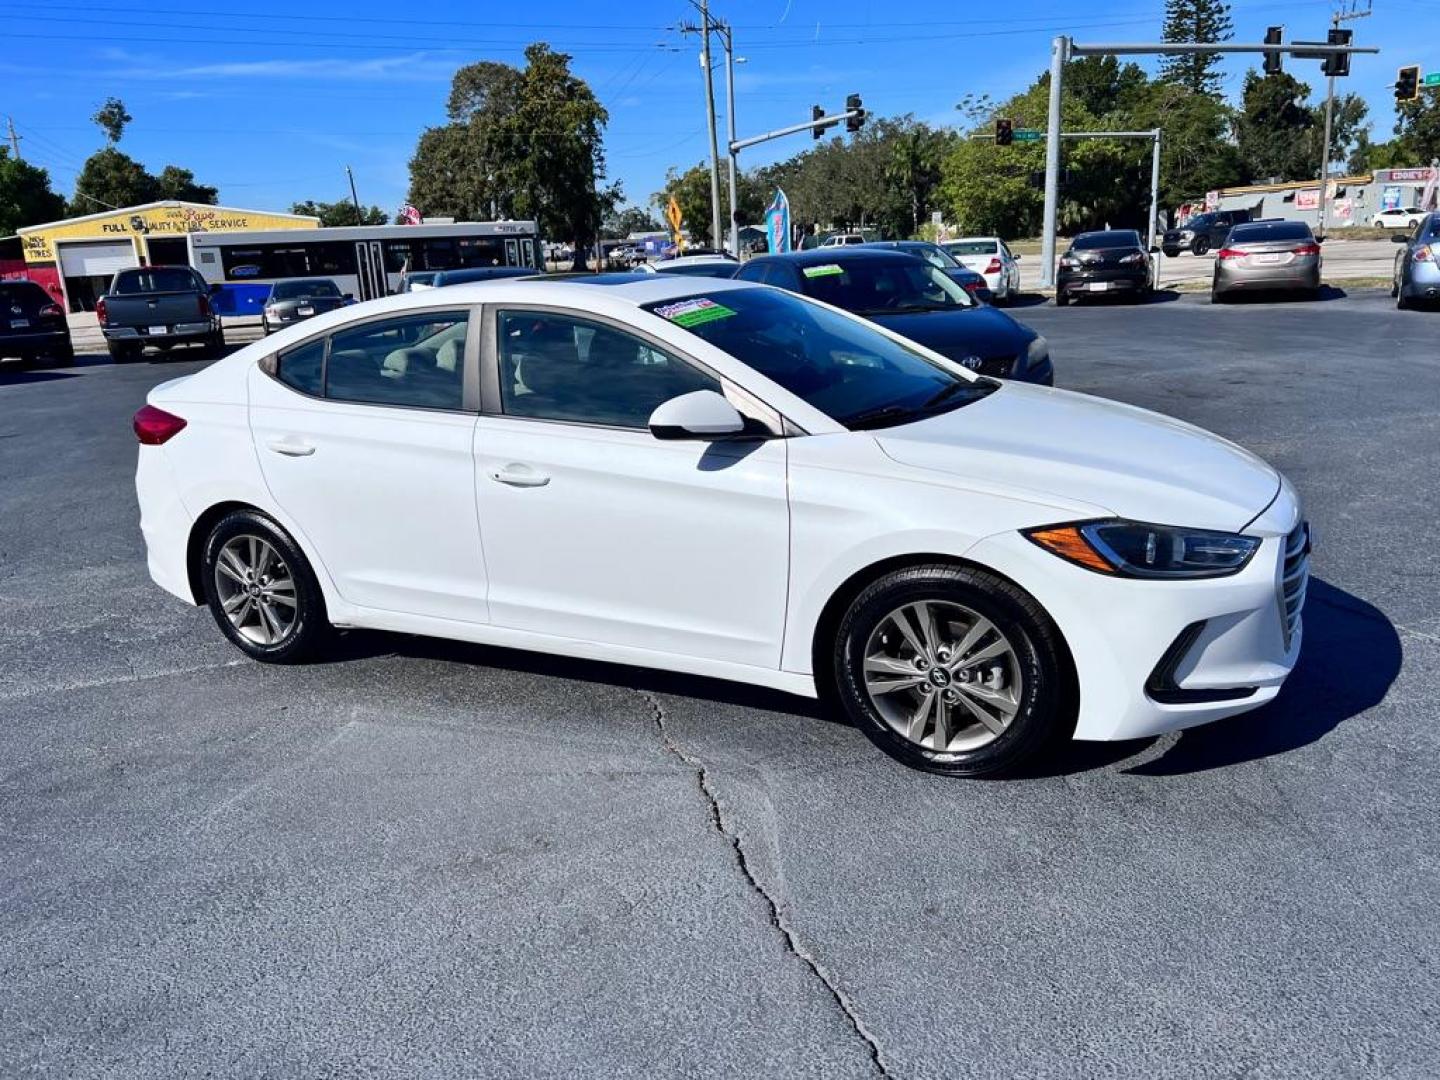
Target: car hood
<point>979,331</point>
<point>1076,448</point>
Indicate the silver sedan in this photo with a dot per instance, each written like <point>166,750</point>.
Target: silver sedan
<point>1267,255</point>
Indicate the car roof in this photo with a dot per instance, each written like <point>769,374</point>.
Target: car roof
<point>694,260</point>
<point>636,289</point>
<point>815,256</point>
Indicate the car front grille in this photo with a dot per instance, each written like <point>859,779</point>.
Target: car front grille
<point>1294,578</point>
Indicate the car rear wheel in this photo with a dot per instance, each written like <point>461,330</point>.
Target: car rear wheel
<point>261,590</point>
<point>1402,302</point>
<point>953,670</point>
<point>124,352</point>
<point>215,344</point>
<point>1061,299</point>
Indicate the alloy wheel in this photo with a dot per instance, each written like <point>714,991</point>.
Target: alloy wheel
<point>943,676</point>
<point>256,589</point>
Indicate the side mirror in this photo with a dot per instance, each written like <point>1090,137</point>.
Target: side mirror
<point>1399,238</point>
<point>1017,258</point>
<point>1319,239</point>
<point>703,414</point>
<point>349,298</point>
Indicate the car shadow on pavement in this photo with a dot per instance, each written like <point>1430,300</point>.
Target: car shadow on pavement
<point>19,376</point>
<point>1161,295</point>
<point>1350,656</point>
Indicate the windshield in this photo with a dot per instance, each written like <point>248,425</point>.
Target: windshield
<point>292,290</point>
<point>883,286</point>
<point>1199,219</point>
<point>1101,241</point>
<point>973,247</point>
<point>850,371</point>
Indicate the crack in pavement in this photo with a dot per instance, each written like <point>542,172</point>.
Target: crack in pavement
<point>777,920</point>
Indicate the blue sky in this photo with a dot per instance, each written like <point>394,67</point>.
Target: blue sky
<point>271,102</point>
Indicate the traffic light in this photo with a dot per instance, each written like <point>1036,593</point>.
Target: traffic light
<point>852,104</point>
<point>817,113</point>
<point>1337,63</point>
<point>1407,83</point>
<point>1004,132</point>
<point>1274,61</point>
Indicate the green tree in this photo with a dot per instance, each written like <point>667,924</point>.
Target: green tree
<point>111,179</point>
<point>1273,128</point>
<point>619,224</point>
<point>914,171</point>
<point>691,190</point>
<point>177,183</point>
<point>521,143</point>
<point>25,195</point>
<point>112,119</point>
<point>1417,127</point>
<point>335,214</point>
<point>1195,21</point>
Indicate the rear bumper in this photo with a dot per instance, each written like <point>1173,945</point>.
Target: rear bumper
<point>39,340</point>
<point>1278,277</point>
<point>164,522</point>
<point>1422,281</point>
<point>177,332</point>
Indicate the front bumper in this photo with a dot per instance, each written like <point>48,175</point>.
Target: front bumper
<point>1120,630</point>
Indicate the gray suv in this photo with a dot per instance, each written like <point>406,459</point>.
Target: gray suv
<point>1202,232</point>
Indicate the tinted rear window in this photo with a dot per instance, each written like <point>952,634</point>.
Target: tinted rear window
<point>972,247</point>
<point>290,290</point>
<point>154,279</point>
<point>1099,240</point>
<point>1280,230</point>
<point>25,293</point>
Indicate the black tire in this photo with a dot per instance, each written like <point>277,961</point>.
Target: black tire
<point>310,627</point>
<point>1061,298</point>
<point>63,355</point>
<point>1200,245</point>
<point>1047,700</point>
<point>124,352</point>
<point>1402,302</point>
<point>215,345</point>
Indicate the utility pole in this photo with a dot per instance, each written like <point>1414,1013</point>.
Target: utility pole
<point>704,30</point>
<point>1335,21</point>
<point>727,36</point>
<point>359,216</point>
<point>14,139</point>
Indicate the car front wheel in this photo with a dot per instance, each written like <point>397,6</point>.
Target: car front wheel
<point>953,670</point>
<point>261,590</point>
<point>1201,245</point>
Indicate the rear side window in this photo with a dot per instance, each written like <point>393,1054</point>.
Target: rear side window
<point>416,361</point>
<point>154,279</point>
<point>304,367</point>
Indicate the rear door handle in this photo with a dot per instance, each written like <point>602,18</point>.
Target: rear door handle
<point>290,447</point>
<point>520,476</point>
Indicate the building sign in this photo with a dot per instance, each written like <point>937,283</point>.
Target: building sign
<point>1343,210</point>
<point>1390,197</point>
<point>1307,199</point>
<point>176,219</point>
<point>1405,176</point>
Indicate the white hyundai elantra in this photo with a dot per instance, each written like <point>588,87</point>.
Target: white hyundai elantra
<point>731,480</point>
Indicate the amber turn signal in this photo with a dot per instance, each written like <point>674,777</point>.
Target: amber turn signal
<point>1068,542</point>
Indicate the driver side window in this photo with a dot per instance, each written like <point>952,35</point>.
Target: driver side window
<point>555,367</point>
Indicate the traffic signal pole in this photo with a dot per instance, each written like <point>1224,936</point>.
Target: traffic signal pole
<point>1063,49</point>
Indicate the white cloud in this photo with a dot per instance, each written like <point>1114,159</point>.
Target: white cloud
<point>411,67</point>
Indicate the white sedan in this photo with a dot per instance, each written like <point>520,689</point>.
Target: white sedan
<point>730,480</point>
<point>1399,218</point>
<point>989,257</point>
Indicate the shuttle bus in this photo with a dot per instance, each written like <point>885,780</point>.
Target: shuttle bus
<point>364,261</point>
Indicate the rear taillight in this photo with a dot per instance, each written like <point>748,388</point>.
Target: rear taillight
<point>155,426</point>
<point>1306,249</point>
<point>1230,253</point>
<point>1422,255</point>
<point>204,305</point>
<point>52,311</point>
<point>994,267</point>
<point>100,309</point>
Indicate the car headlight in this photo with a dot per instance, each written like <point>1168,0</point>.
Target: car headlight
<point>1186,234</point>
<point>1135,549</point>
<point>1037,352</point>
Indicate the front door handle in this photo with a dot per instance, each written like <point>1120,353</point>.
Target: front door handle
<point>290,447</point>
<point>520,476</point>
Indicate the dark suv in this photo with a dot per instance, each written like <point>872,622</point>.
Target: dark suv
<point>33,325</point>
<point>1202,232</point>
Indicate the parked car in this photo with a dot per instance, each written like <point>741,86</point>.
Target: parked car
<point>1202,232</point>
<point>1267,255</point>
<point>708,265</point>
<point>480,273</point>
<point>1406,218</point>
<point>32,325</point>
<point>417,280</point>
<point>299,299</point>
<point>905,294</point>
<point>1417,264</point>
<point>973,283</point>
<point>843,240</point>
<point>990,257</point>
<point>733,481</point>
<point>157,305</point>
<point>1109,261</point>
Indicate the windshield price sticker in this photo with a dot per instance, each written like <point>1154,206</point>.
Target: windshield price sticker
<point>688,313</point>
<point>823,271</point>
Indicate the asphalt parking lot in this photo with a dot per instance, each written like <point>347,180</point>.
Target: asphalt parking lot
<point>426,859</point>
